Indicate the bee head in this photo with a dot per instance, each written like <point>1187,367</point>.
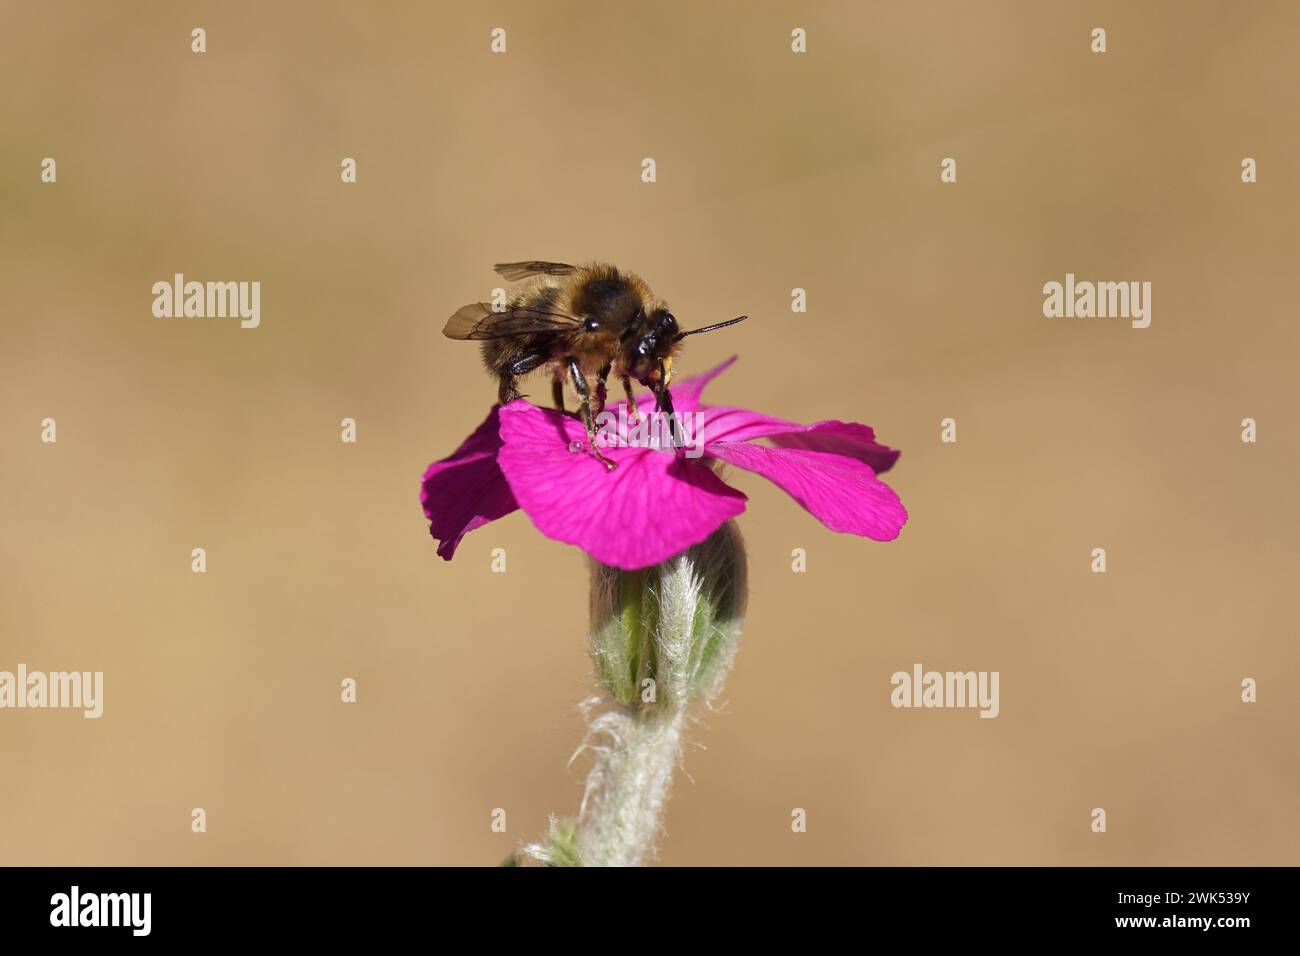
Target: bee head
<point>648,340</point>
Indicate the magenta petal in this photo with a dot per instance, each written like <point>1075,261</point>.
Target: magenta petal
<point>651,507</point>
<point>723,424</point>
<point>840,438</point>
<point>467,489</point>
<point>843,493</point>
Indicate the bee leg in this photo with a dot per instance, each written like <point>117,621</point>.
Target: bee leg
<point>600,388</point>
<point>664,403</point>
<point>507,390</point>
<point>665,376</point>
<point>633,416</point>
<point>557,393</point>
<point>674,424</point>
<point>588,422</point>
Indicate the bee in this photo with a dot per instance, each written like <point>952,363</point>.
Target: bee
<point>581,323</point>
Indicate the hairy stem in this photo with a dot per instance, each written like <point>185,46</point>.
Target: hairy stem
<point>628,787</point>
<point>663,641</point>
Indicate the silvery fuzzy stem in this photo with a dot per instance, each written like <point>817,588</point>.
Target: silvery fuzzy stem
<point>628,786</point>
<point>663,640</point>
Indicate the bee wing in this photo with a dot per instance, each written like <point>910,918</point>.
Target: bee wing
<point>514,271</point>
<point>478,321</point>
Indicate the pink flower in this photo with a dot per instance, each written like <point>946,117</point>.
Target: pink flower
<point>656,503</point>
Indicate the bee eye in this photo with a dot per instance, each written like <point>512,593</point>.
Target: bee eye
<point>591,325</point>
<point>643,348</point>
<point>669,321</point>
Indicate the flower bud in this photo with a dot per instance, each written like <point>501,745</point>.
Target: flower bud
<point>665,636</point>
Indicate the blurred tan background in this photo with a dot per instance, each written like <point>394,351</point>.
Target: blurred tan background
<point>775,171</point>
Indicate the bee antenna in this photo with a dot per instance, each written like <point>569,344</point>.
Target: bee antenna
<point>709,328</point>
